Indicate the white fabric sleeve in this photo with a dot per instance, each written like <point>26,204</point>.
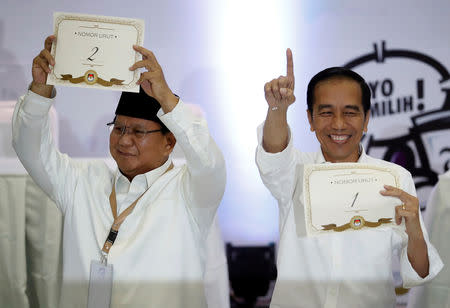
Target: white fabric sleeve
<point>409,275</point>
<point>204,182</point>
<point>277,170</point>
<point>32,141</point>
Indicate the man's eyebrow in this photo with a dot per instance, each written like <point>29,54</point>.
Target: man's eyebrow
<point>137,126</point>
<point>324,106</point>
<point>354,107</point>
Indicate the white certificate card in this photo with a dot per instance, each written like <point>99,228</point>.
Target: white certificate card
<point>96,51</point>
<point>343,197</point>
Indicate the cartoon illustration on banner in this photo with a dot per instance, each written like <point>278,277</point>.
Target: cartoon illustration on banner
<point>410,114</point>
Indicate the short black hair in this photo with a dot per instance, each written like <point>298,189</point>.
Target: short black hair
<point>336,73</point>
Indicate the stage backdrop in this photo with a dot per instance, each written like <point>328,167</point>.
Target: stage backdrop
<point>219,54</point>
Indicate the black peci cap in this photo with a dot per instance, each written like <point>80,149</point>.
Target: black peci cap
<point>139,105</point>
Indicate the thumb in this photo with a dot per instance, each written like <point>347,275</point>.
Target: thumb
<point>147,87</point>
<point>398,218</point>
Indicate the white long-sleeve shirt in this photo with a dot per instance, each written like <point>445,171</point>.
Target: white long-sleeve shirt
<point>350,269</point>
<point>158,256</point>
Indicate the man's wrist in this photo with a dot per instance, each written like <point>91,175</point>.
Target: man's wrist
<point>169,102</point>
<point>416,237</point>
<point>41,89</point>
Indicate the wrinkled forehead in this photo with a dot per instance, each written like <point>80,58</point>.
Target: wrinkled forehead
<point>135,122</point>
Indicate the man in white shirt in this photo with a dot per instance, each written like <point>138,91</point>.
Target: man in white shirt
<point>351,269</point>
<point>158,250</point>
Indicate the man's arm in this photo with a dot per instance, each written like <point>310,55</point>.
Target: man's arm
<point>204,181</point>
<point>152,81</point>
<point>419,260</point>
<point>279,95</point>
<point>204,184</point>
<point>410,211</point>
<point>32,139</point>
<point>275,156</point>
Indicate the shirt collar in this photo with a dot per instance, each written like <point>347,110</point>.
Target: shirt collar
<point>145,180</point>
<point>320,159</point>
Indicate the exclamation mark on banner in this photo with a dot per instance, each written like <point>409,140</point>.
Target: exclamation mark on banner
<point>420,104</point>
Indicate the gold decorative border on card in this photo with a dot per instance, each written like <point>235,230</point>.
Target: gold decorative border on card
<point>356,223</point>
<point>102,19</point>
<point>91,77</point>
<point>311,168</point>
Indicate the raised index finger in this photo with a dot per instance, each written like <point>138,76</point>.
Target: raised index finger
<point>290,64</point>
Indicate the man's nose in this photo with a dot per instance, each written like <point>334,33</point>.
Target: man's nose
<point>126,136</point>
<point>338,121</point>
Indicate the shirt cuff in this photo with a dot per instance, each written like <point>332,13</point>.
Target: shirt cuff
<point>268,162</point>
<point>36,105</point>
<point>409,275</point>
<point>180,119</point>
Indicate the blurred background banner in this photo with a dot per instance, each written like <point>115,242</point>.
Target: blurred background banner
<point>410,115</point>
<point>219,54</point>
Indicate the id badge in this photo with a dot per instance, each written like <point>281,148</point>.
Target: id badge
<point>100,285</point>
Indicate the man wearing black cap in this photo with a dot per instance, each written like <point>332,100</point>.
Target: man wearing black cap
<point>144,224</point>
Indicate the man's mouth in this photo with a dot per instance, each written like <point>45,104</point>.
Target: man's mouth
<point>339,138</point>
<point>125,153</point>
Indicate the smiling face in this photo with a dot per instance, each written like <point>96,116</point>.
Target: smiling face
<point>338,119</point>
<point>139,155</point>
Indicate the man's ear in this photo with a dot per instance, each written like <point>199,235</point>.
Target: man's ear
<point>170,142</point>
<point>366,121</point>
<point>310,120</point>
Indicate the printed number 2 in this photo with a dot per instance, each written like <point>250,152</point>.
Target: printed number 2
<point>95,49</point>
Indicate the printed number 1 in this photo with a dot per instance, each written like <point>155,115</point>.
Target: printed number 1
<point>356,196</point>
<point>95,49</point>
